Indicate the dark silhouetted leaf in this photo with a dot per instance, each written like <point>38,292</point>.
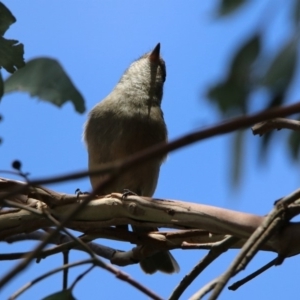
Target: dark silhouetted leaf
<point>1,86</point>
<point>281,71</point>
<point>229,6</point>
<point>6,18</point>
<point>237,158</point>
<point>277,100</point>
<point>231,95</point>
<point>46,79</point>
<point>266,139</point>
<point>62,295</point>
<point>11,55</point>
<point>296,11</point>
<point>294,144</point>
<point>245,58</point>
<point>266,143</point>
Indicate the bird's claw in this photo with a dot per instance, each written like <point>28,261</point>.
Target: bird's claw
<point>127,192</point>
<point>78,192</point>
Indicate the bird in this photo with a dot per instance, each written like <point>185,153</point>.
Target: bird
<point>125,122</point>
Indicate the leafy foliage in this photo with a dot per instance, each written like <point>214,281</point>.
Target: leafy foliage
<point>296,12</point>
<point>41,77</point>
<point>45,78</point>
<point>11,55</point>
<point>6,19</point>
<point>11,52</point>
<point>231,95</point>
<point>281,70</point>
<point>228,6</point>
<point>1,86</point>
<point>253,69</point>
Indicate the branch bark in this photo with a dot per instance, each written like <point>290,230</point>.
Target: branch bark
<point>196,221</point>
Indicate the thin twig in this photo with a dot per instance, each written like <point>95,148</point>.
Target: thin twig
<point>97,262</point>
<point>258,233</point>
<point>73,237</point>
<point>125,277</point>
<point>268,232</point>
<point>277,123</point>
<point>81,276</point>
<point>54,271</point>
<point>216,250</point>
<point>67,244</point>
<point>101,264</point>
<point>239,283</point>
<point>204,290</point>
<point>163,148</point>
<point>65,271</point>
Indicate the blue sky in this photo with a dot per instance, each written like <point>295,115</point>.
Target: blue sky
<point>95,41</point>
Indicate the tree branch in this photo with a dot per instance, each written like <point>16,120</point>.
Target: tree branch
<point>262,233</point>
<point>198,224</point>
<point>216,250</point>
<point>277,123</point>
<point>115,169</point>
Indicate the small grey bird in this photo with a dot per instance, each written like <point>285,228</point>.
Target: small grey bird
<point>127,121</point>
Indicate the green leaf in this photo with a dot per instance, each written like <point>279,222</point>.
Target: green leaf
<point>11,52</point>
<point>245,57</point>
<point>46,79</point>
<point>296,11</point>
<point>294,144</point>
<point>229,6</point>
<point>232,94</point>
<point>1,86</point>
<point>6,18</point>
<point>265,144</point>
<point>61,295</point>
<point>266,139</point>
<point>281,71</point>
<point>11,55</point>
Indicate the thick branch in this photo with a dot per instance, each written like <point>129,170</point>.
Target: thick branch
<point>99,214</point>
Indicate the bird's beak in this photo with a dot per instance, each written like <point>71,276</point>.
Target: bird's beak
<point>154,55</point>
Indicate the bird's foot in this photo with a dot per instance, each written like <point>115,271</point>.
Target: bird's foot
<point>127,192</point>
<point>78,192</point>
